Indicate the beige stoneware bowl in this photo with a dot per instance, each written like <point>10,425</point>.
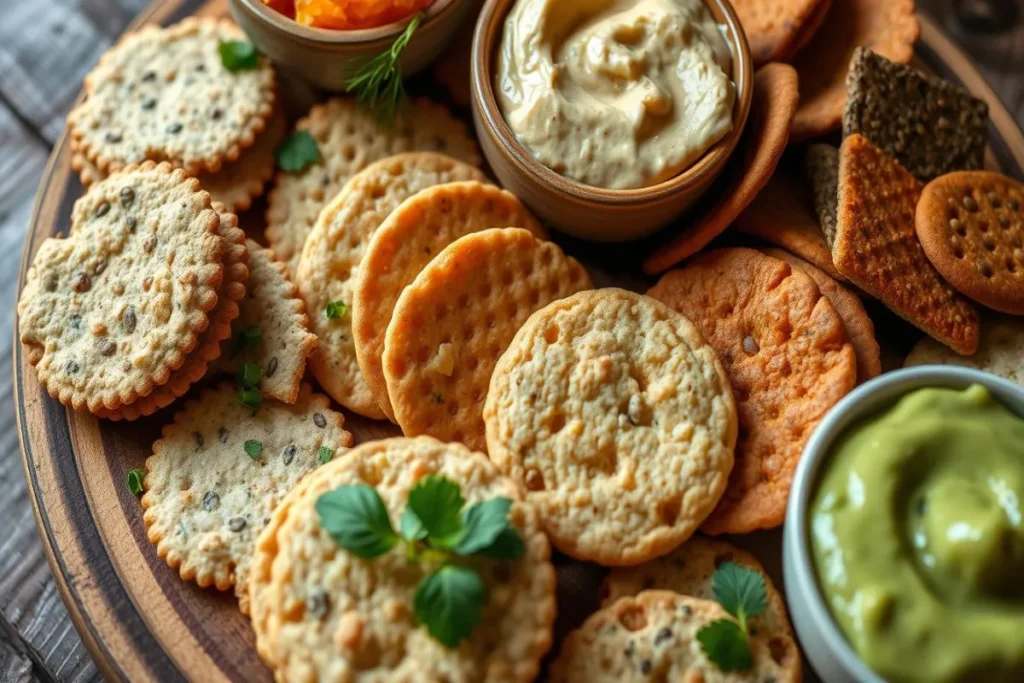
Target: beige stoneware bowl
<point>582,210</point>
<point>327,58</point>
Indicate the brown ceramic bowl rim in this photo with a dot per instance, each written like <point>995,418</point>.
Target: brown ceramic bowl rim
<point>328,36</point>
<point>488,35</point>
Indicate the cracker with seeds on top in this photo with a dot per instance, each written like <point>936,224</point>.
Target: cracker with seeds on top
<point>821,162</point>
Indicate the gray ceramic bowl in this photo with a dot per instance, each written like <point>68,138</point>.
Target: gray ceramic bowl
<point>328,58</point>
<point>820,637</point>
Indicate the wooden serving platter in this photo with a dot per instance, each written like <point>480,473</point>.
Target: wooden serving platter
<point>138,619</point>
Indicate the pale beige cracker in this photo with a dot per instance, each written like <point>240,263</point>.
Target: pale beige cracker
<point>109,312</point>
<point>164,94</point>
<point>331,261</point>
<point>653,637</point>
<point>1000,350</point>
<point>689,570</point>
<point>349,140</point>
<point>455,320</point>
<point>207,498</point>
<point>320,613</point>
<point>614,415</point>
<point>404,244</point>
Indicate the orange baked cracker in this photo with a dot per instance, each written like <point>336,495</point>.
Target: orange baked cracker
<point>774,26</point>
<point>774,103</point>
<point>877,249</point>
<point>788,358</point>
<point>889,27</point>
<point>781,214</point>
<point>807,32</point>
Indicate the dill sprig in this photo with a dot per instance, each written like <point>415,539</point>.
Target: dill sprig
<point>378,84</point>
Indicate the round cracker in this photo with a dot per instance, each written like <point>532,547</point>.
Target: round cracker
<point>764,140</point>
<point>617,419</point>
<point>971,226</point>
<point>415,232</point>
<point>807,31</point>
<point>999,351</point>
<point>454,321</point>
<point>787,354</point>
<point>334,251</point>
<point>208,497</point>
<point>369,604</point>
<point>774,26</point>
<point>848,305</point>
<point>653,637</point>
<point>889,27</point>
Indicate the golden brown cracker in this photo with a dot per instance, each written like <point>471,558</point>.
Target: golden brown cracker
<point>971,227</point>
<point>774,26</point>
<point>788,357</point>
<point>889,27</point>
<point>454,321</point>
<point>807,32</point>
<point>877,250</point>
<point>771,114</point>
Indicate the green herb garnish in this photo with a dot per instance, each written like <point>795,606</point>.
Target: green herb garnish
<point>324,455</point>
<point>436,528</point>
<point>249,375</point>
<point>246,339</point>
<point>297,152</point>
<point>377,83</point>
<point>742,593</point>
<point>238,55</point>
<point>253,448</point>
<point>335,310</point>
<point>135,479</point>
<point>250,398</point>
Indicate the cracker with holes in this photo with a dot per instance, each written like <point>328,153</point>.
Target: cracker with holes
<point>929,125</point>
<point>877,249</point>
<point>330,265</point>
<point>971,227</point>
<point>653,637</point>
<point>349,140</point>
<point>321,612</point>
<point>457,317</point>
<point>164,94</point>
<point>110,312</point>
<point>616,417</point>
<point>999,351</point>
<point>787,354</point>
<point>415,232</point>
<point>218,472</point>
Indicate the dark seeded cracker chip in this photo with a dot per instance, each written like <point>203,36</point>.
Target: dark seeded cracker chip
<point>929,125</point>
<point>822,164</point>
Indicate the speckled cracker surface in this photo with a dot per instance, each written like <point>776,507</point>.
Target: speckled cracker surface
<point>349,140</point>
<point>458,316</point>
<point>653,637</point>
<point>617,419</point>
<point>273,306</point>
<point>788,357</point>
<point>109,312</point>
<point>929,125</point>
<point>320,613</point>
<point>773,26</point>
<point>877,250</point>
<point>821,161</point>
<point>999,352</point>
<point>415,232</point>
<point>163,94</point>
<point>331,261</point>
<point>219,471</point>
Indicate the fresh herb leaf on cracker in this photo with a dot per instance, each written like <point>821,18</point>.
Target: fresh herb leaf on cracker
<point>448,603</point>
<point>297,152</point>
<point>741,592</point>
<point>335,310</point>
<point>357,519</point>
<point>238,55</point>
<point>136,479</point>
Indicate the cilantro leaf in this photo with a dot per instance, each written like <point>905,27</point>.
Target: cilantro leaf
<point>253,448</point>
<point>725,645</point>
<point>449,603</point>
<point>335,310</point>
<point>741,591</point>
<point>246,339</point>
<point>136,478</point>
<point>238,55</point>
<point>297,151</point>
<point>437,502</point>
<point>324,455</point>
<point>485,523</point>
<point>249,375</point>
<point>250,398</point>
<point>411,527</point>
<point>356,518</point>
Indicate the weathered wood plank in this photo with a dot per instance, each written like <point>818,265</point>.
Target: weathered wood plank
<point>14,666</point>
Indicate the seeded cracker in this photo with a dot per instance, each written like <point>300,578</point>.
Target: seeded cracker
<point>821,162</point>
<point>999,352</point>
<point>453,322</point>
<point>220,470</point>
<point>404,244</point>
<point>617,419</point>
<point>334,251</point>
<point>653,637</point>
<point>349,140</point>
<point>273,306</point>
<point>929,125</point>
<point>163,94</point>
<point>111,311</point>
<point>319,612</point>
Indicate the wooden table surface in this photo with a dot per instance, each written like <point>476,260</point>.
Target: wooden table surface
<point>46,46</point>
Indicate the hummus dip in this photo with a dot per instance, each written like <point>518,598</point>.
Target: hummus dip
<point>616,94</point>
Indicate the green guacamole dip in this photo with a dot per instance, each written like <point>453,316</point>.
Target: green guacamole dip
<point>918,539</point>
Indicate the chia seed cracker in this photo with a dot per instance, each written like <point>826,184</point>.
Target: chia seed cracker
<point>821,162</point>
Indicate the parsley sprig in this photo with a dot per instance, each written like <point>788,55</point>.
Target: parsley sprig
<point>436,529</point>
<point>742,593</point>
<point>238,55</point>
<point>377,83</point>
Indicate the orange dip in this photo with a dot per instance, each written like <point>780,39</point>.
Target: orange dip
<point>347,15</point>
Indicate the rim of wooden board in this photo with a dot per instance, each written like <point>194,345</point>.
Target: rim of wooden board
<point>96,552</point>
